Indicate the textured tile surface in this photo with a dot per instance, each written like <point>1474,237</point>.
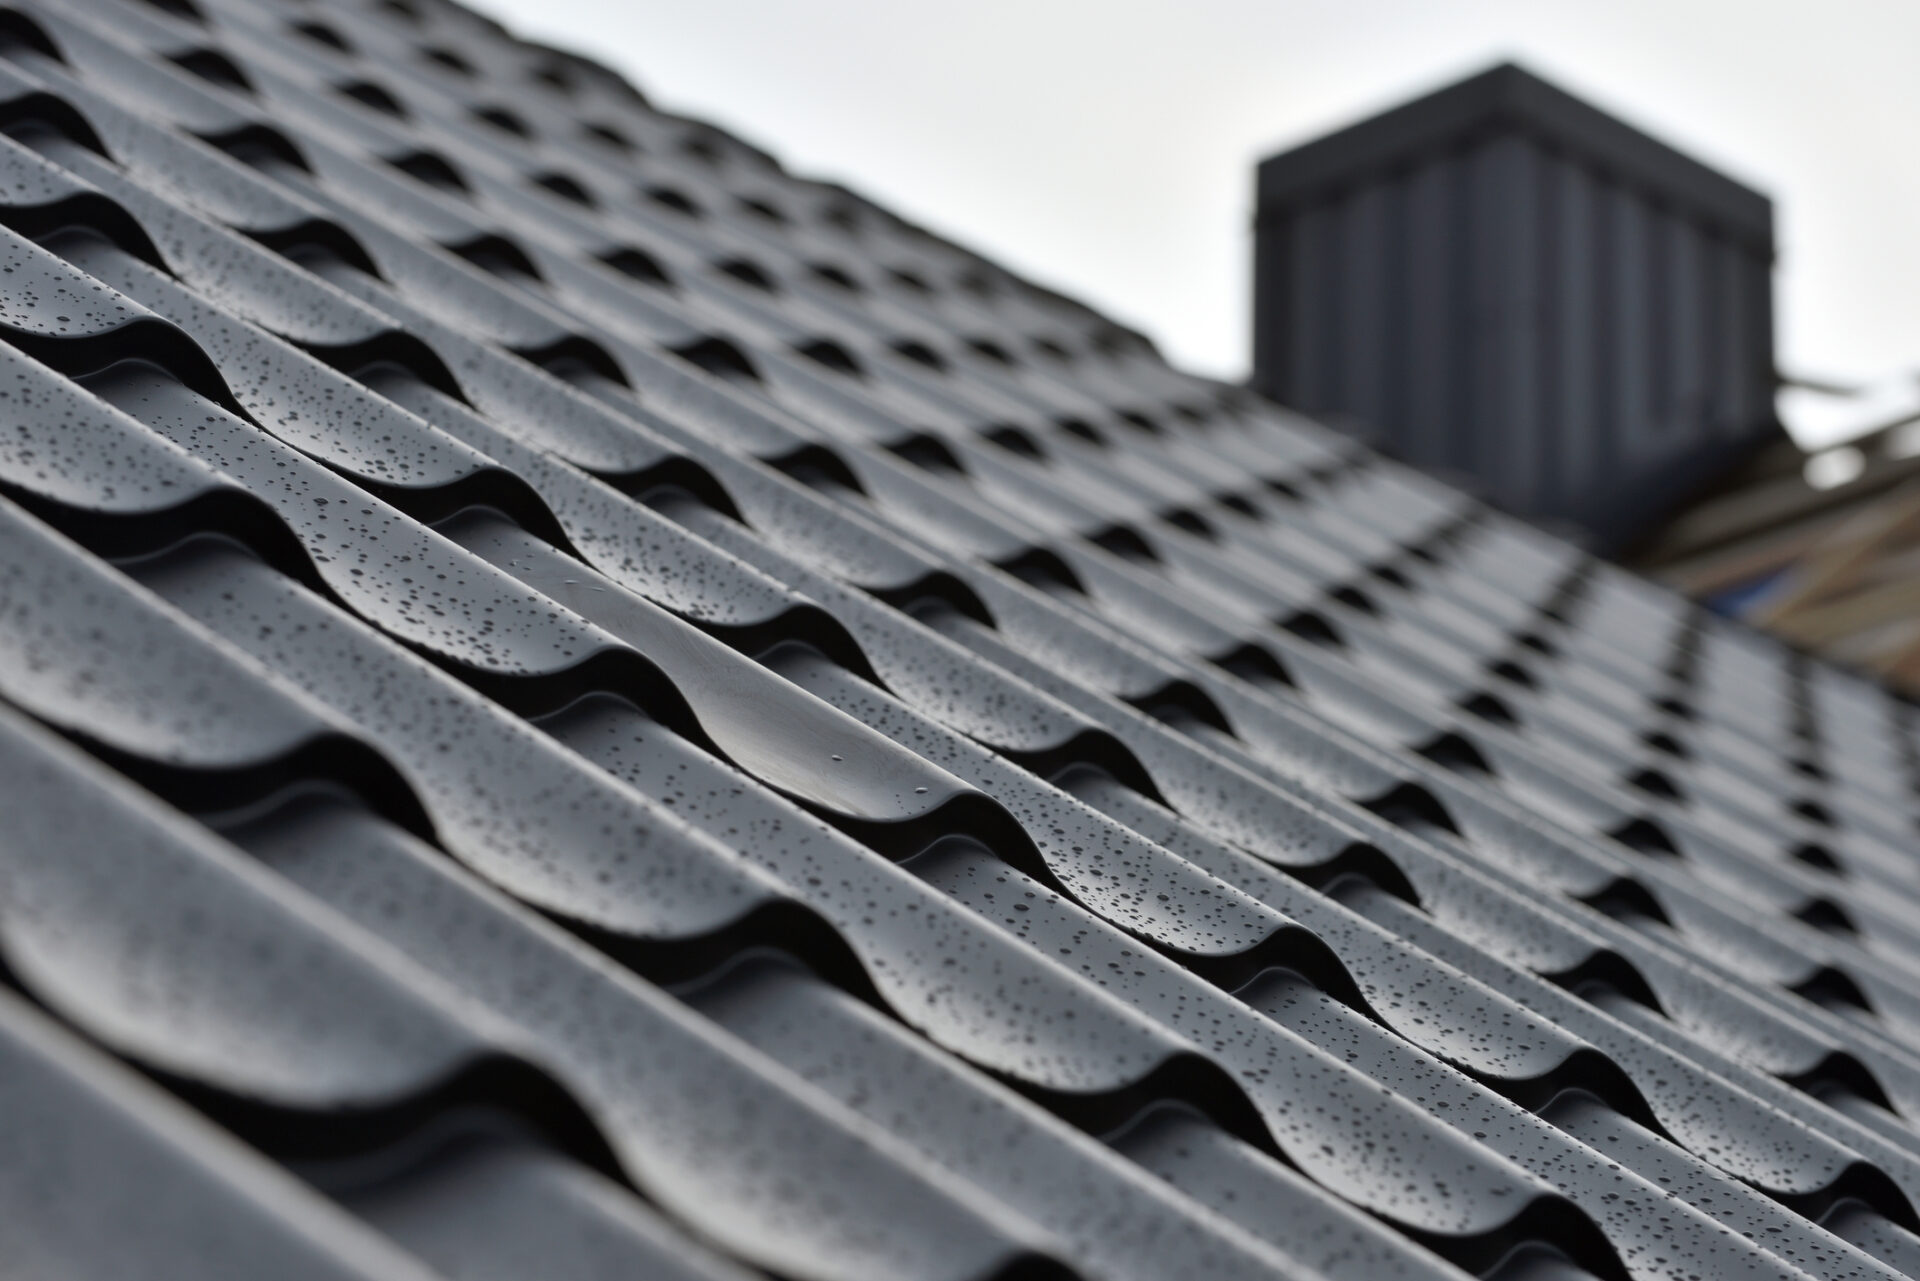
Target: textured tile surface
<point>573,704</point>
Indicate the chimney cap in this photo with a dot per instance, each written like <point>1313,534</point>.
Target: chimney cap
<point>1509,99</point>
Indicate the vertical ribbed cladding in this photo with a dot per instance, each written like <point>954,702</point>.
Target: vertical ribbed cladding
<point>1500,282</point>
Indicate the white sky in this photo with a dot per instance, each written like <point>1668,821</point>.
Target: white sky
<point>1107,149</point>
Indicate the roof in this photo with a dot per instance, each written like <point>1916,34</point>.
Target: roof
<point>575,705</point>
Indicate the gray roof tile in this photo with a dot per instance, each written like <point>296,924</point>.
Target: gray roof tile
<point>575,704</point>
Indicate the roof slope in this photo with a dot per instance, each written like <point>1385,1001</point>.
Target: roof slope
<point>574,705</point>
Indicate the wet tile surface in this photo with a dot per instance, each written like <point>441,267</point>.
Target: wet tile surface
<point>575,704</point>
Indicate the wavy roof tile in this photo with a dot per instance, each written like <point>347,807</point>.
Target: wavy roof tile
<point>573,704</point>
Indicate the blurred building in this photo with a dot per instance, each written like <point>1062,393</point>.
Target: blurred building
<point>1822,548</point>
<point>1501,283</point>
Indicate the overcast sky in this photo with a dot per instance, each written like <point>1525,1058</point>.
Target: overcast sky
<point>1107,149</point>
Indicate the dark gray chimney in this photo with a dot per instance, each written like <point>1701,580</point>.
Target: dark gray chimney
<point>1501,281</point>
